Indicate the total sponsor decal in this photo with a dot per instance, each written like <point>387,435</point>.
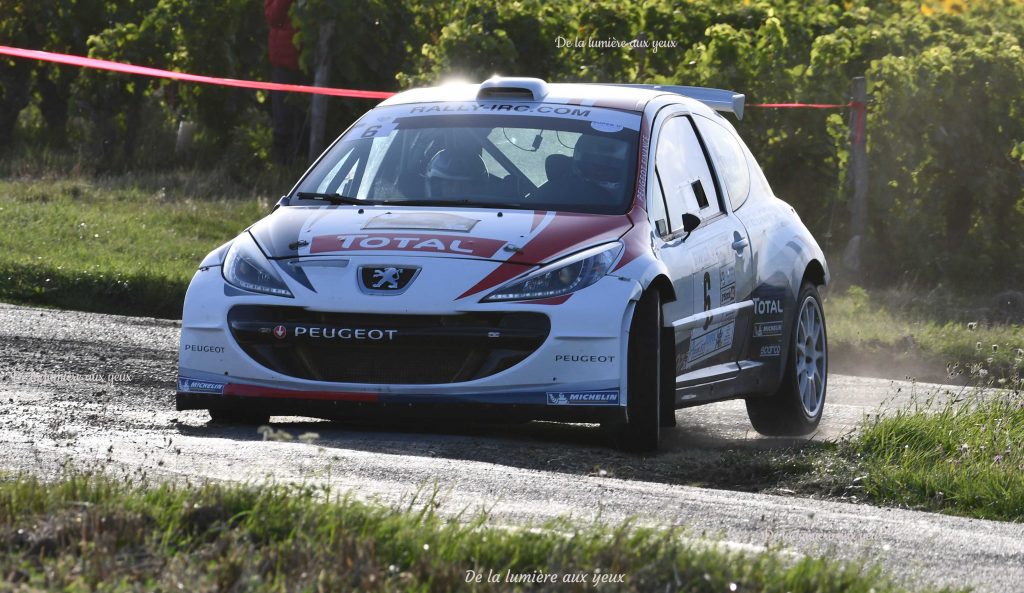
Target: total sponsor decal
<point>583,398</point>
<point>767,306</point>
<point>584,358</point>
<point>189,385</point>
<point>771,350</point>
<point>421,243</point>
<point>767,329</point>
<point>203,348</point>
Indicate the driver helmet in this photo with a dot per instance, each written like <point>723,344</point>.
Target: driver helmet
<point>453,173</point>
<point>600,160</point>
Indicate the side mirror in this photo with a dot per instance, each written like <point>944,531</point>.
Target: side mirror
<point>690,222</point>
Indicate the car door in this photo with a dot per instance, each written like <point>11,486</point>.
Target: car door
<point>708,266</point>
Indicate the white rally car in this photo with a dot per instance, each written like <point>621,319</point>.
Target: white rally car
<point>519,250</point>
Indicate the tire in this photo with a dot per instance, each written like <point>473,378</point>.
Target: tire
<point>668,378</point>
<point>795,409</point>
<point>239,417</point>
<point>642,429</point>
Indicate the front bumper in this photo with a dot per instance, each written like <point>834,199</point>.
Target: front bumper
<point>575,372</point>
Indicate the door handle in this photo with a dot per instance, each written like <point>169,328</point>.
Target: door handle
<point>739,242</point>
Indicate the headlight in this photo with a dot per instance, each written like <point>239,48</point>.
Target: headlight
<point>562,277</point>
<point>246,267</point>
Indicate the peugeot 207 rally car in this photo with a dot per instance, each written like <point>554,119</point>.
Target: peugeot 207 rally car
<point>519,250</point>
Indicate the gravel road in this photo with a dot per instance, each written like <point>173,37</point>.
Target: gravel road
<point>95,391</point>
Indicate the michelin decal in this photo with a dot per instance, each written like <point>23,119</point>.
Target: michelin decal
<point>583,398</point>
<point>189,385</point>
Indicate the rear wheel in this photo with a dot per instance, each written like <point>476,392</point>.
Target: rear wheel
<point>795,409</point>
<point>236,416</point>
<point>642,429</point>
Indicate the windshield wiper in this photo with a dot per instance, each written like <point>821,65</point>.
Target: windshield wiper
<point>508,205</point>
<point>334,199</point>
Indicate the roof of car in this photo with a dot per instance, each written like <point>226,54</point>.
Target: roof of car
<point>626,97</point>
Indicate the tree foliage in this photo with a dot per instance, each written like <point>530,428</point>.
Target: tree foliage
<point>946,121</point>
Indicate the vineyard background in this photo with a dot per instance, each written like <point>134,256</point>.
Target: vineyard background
<point>946,81</point>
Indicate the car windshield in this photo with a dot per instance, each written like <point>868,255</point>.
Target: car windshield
<point>528,155</point>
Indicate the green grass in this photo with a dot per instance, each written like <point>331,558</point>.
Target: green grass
<point>961,456</point>
<point>89,533</point>
<point>863,323</point>
<point>966,457</point>
<point>109,245</point>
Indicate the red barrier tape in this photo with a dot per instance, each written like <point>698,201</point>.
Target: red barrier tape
<point>801,105</point>
<point>158,73</point>
<point>84,62</point>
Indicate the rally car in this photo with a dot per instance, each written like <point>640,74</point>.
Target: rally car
<point>519,250</point>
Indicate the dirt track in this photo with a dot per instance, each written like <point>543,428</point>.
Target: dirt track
<point>96,391</point>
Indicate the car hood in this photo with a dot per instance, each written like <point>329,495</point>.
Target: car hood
<point>513,236</point>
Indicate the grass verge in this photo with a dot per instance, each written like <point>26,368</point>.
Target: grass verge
<point>95,533</point>
<point>893,328</point>
<point>966,458</point>
<point>963,456</point>
<point>109,245</point>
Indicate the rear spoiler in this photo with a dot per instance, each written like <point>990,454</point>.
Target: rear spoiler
<point>717,99</point>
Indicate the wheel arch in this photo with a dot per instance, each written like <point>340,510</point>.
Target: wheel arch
<point>664,286</point>
<point>815,273</point>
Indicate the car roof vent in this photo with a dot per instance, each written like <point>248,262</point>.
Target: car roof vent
<point>516,88</point>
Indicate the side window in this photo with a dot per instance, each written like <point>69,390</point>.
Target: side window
<point>730,161</point>
<point>656,208</point>
<point>684,173</point>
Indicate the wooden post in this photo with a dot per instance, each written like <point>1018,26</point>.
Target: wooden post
<point>321,77</point>
<point>859,173</point>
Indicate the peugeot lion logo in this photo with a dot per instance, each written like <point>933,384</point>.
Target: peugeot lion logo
<point>386,279</point>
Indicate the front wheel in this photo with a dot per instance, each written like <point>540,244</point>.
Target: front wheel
<point>795,409</point>
<point>642,429</point>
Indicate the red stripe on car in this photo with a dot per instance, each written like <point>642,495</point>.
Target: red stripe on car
<point>558,300</point>
<point>567,232</point>
<point>242,390</point>
<point>538,217</point>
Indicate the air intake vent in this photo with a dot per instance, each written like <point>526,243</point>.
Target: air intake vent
<point>521,89</point>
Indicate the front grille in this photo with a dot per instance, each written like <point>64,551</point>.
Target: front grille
<point>386,349</point>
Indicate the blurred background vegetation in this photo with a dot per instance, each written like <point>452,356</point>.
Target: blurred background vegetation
<point>946,120</point>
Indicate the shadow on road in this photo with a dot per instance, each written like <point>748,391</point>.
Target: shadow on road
<point>699,451</point>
